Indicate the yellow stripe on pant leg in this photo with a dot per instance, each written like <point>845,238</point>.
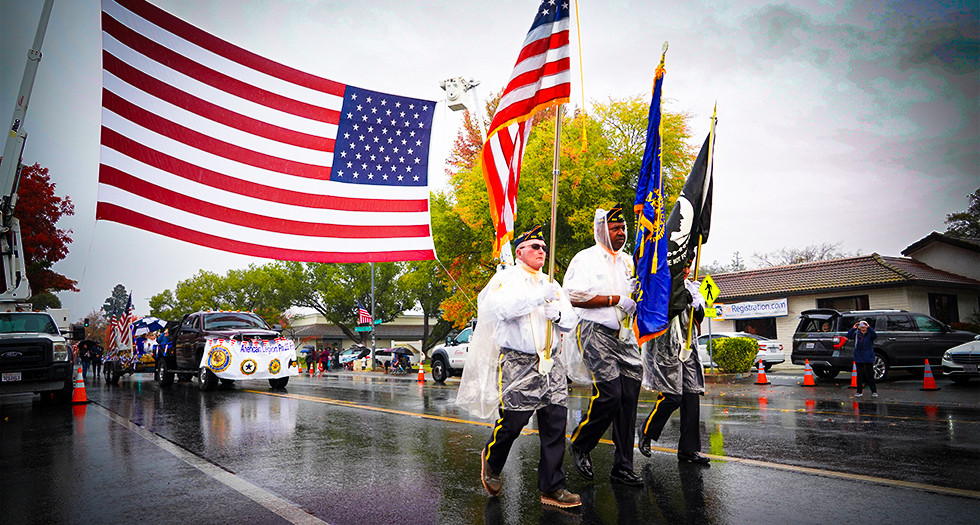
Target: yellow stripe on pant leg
<point>646,426</point>
<point>595,395</point>
<point>500,388</point>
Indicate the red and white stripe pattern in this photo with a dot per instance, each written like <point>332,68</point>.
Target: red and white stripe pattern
<point>214,145</point>
<point>541,78</point>
<point>363,315</point>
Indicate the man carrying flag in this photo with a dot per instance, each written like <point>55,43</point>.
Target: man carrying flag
<point>671,365</point>
<point>599,282</point>
<point>541,79</point>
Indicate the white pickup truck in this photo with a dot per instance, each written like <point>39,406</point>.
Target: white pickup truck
<point>449,359</point>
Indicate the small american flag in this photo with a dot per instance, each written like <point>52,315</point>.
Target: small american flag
<point>363,316</point>
<point>125,324</point>
<point>214,145</point>
<point>541,78</point>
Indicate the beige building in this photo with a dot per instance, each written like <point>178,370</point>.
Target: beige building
<point>313,330</point>
<point>940,277</point>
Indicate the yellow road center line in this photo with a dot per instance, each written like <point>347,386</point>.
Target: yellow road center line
<point>753,462</point>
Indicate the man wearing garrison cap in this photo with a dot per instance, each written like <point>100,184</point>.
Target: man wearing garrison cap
<point>518,308</point>
<point>599,282</point>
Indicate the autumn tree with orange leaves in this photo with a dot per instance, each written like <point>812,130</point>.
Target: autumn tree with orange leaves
<point>604,173</point>
<point>39,210</point>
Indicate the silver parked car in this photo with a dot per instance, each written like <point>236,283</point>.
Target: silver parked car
<point>960,363</point>
<point>771,352</point>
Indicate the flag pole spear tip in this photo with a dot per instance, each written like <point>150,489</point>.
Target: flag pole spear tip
<point>663,57</point>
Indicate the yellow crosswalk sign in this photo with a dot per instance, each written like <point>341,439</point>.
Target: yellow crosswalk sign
<point>709,290</point>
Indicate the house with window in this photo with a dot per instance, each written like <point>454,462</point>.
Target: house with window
<point>938,275</point>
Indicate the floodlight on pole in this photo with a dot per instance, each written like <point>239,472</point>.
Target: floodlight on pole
<point>455,89</point>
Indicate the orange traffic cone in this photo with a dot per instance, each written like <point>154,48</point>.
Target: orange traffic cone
<point>761,378</point>
<point>421,373</point>
<point>78,395</point>
<point>321,369</point>
<point>808,375</point>
<point>854,375</point>
<point>928,382</point>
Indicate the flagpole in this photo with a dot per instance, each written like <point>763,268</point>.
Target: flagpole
<point>697,258</point>
<point>371,364</point>
<point>556,170</point>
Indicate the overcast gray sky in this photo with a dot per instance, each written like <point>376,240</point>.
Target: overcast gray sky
<point>850,122</point>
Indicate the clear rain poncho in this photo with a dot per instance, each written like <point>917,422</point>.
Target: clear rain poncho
<point>605,348</point>
<point>491,379</point>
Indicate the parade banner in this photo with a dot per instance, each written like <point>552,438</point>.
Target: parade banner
<point>753,309</point>
<point>255,359</point>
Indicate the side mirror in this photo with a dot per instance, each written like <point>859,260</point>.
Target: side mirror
<point>449,341</point>
<point>277,327</point>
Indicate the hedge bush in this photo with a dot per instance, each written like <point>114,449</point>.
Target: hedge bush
<point>735,354</point>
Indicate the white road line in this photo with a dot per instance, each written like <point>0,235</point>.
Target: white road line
<point>283,508</point>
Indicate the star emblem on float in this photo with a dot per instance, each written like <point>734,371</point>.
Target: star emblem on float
<point>249,367</point>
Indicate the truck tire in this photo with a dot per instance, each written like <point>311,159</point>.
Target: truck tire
<point>278,383</point>
<point>209,381</point>
<point>440,372</point>
<point>165,375</point>
<point>65,394</point>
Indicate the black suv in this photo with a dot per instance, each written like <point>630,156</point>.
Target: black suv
<point>905,340</point>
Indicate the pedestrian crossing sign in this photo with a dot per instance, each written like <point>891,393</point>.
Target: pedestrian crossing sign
<point>709,290</point>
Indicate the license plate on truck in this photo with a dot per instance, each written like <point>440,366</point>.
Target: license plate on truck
<point>966,368</point>
<point>10,376</point>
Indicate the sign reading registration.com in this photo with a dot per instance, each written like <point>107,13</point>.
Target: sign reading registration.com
<point>753,309</point>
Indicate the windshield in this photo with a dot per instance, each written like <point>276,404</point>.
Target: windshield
<point>11,323</point>
<point>233,321</point>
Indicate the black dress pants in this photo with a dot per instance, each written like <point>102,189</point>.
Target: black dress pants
<point>690,405</point>
<point>613,402</point>
<point>551,430</point>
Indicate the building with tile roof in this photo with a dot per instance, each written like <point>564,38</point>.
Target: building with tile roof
<point>940,277</point>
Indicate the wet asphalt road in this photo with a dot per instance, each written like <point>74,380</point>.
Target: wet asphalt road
<point>366,448</point>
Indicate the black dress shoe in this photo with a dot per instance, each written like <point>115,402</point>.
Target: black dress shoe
<point>583,463</point>
<point>626,477</point>
<point>645,446</point>
<point>691,456</point>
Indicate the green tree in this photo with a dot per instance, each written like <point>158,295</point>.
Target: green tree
<point>253,289</point>
<point>115,304</point>
<point>604,173</point>
<point>334,289</point>
<point>422,285</point>
<point>965,223</point>
<point>44,300</point>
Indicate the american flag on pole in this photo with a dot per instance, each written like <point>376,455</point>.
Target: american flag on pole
<point>363,315</point>
<point>214,145</point>
<point>541,78</point>
<point>125,324</point>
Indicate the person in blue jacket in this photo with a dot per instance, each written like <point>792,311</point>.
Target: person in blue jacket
<point>864,355</point>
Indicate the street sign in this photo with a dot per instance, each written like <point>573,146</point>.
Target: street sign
<point>709,290</point>
<point>362,328</point>
<point>711,312</point>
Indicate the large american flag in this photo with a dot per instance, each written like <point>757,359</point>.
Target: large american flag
<point>211,144</point>
<point>541,78</point>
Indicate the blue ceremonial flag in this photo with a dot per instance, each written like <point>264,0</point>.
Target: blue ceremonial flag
<point>650,254</point>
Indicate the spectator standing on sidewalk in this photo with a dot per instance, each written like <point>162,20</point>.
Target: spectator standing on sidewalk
<point>864,356</point>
